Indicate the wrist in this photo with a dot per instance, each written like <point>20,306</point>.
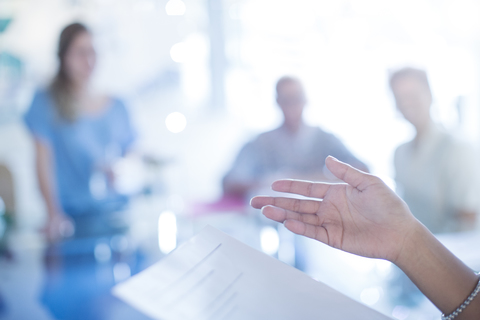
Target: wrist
<point>55,214</point>
<point>414,245</point>
<point>441,276</point>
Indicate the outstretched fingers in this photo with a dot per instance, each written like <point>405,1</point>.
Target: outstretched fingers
<point>347,173</point>
<point>280,215</point>
<point>297,205</point>
<point>308,230</point>
<point>304,188</point>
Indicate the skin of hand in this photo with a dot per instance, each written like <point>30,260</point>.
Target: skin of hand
<point>366,218</point>
<point>58,227</point>
<point>467,219</point>
<point>362,216</point>
<point>111,176</point>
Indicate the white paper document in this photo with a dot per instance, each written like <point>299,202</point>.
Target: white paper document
<point>215,277</point>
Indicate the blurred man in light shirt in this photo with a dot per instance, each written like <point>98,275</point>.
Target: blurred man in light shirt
<point>435,172</point>
<point>293,150</point>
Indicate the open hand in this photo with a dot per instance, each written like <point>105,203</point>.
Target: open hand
<point>362,216</point>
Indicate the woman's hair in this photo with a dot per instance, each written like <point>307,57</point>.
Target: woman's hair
<point>61,87</point>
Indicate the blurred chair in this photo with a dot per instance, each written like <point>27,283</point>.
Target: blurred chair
<point>7,209</point>
<point>7,192</point>
<point>229,213</point>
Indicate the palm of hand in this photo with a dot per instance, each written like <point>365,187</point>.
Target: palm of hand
<point>356,224</point>
<point>362,216</point>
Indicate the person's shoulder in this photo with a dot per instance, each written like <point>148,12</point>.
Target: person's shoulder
<point>117,105</point>
<point>41,101</point>
<point>262,139</point>
<point>320,131</point>
<point>317,130</point>
<point>268,135</point>
<point>42,95</point>
<point>451,144</point>
<point>403,147</point>
<point>452,139</point>
<point>401,152</point>
<point>39,118</point>
<point>115,99</point>
<point>457,147</point>
<point>322,134</point>
<point>117,102</point>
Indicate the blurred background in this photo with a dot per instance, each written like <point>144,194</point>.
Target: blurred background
<point>198,80</point>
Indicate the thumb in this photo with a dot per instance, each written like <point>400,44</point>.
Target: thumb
<point>347,173</point>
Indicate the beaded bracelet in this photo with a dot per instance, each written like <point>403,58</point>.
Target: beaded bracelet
<point>462,307</point>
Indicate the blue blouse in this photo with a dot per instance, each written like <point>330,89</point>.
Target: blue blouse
<point>79,149</point>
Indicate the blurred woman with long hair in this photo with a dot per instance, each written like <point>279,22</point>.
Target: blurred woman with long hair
<point>78,133</point>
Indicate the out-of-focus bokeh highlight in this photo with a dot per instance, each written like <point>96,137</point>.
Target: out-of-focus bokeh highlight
<point>214,100</point>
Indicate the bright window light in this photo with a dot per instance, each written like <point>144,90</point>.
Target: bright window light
<point>370,296</point>
<point>167,231</point>
<point>384,267</point>
<point>176,122</point>
<point>359,264</point>
<point>179,52</point>
<point>400,312</point>
<point>144,6</point>
<point>269,240</point>
<point>175,8</point>
<point>121,271</point>
<point>102,252</point>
